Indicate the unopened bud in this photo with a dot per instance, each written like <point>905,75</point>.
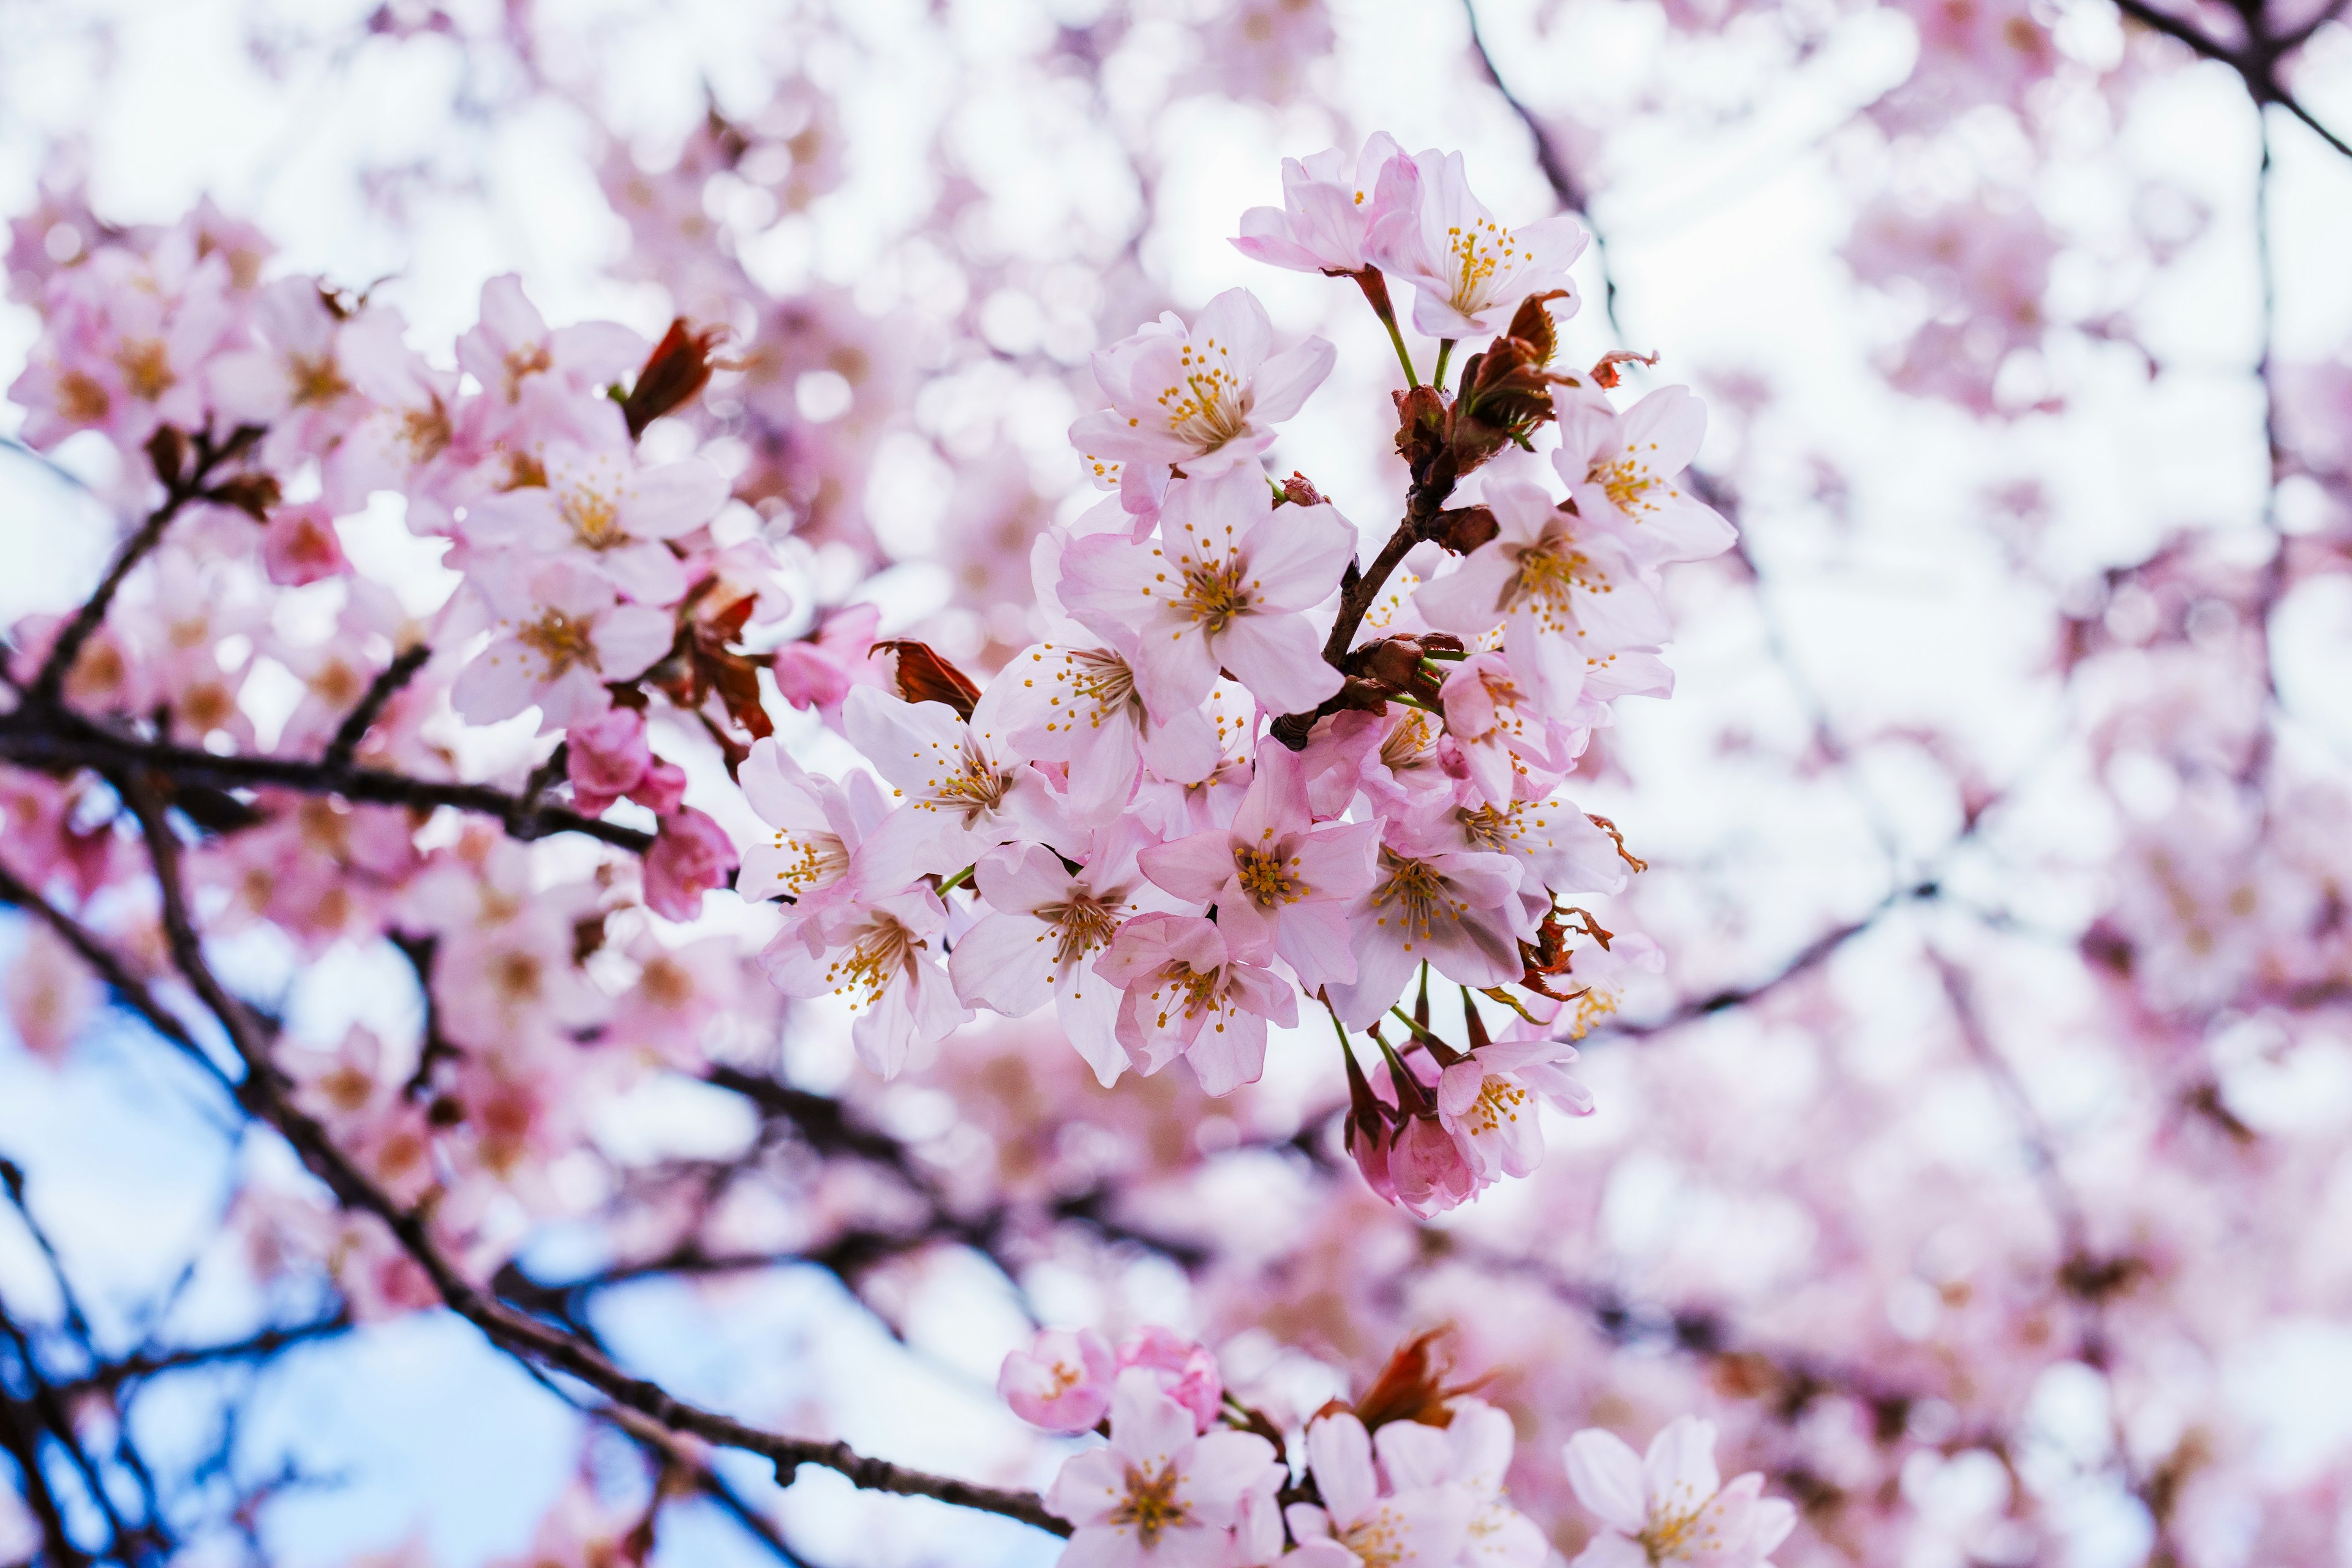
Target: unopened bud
<point>677,369</point>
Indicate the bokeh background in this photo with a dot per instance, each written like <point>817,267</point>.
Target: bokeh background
<point>1990,949</point>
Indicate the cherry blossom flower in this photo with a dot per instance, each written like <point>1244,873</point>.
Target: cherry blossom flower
<point>1061,1383</point>
<point>1563,587</point>
<point>1428,1168</point>
<point>1489,1099</point>
<point>962,786</point>
<point>1509,745</point>
<point>818,824</point>
<point>1082,705</point>
<point>1469,271</point>
<point>297,386</point>
<point>1671,1505</point>
<point>1330,205</point>
<point>1158,1493</point>
<point>1180,980</point>
<point>877,954</point>
<point>1458,911</point>
<point>511,346</point>
<point>1624,465</point>
<point>1226,588</point>
<point>1359,1522</point>
<point>615,516</point>
<point>1046,929</point>
<point>1473,1452</point>
<point>1281,882</point>
<point>562,636</point>
<point>1199,400</point>
<point>49,993</point>
<point>607,758</point>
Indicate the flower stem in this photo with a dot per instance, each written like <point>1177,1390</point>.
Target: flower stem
<point>1376,295</point>
<point>1445,353</point>
<point>957,880</point>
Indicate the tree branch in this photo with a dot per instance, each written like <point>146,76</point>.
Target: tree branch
<point>27,740</point>
<point>518,1334</point>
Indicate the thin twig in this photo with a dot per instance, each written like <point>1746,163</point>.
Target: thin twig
<point>513,1331</point>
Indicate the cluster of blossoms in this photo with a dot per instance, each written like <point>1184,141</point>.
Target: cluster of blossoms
<point>1222,791</point>
<point>1411,1472</point>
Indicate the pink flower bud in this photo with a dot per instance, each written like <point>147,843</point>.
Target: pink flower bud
<point>607,758</point>
<point>1188,1372</point>
<point>691,855</point>
<point>298,545</point>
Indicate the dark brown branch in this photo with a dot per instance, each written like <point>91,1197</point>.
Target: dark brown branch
<point>517,1333</point>
<point>108,1376</point>
<point>379,692</point>
<point>179,489</point>
<point>128,989</point>
<point>33,740</point>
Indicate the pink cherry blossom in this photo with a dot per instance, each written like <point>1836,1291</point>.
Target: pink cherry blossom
<point>617,516</point>
<point>1046,934</point>
<point>1671,1505</point>
<point>1561,585</point>
<point>1281,883</point>
<point>880,955</point>
<point>961,787</point>
<point>562,634</point>
<point>1180,980</point>
<point>1198,401</point>
<point>1625,465</point>
<point>1159,1495</point>
<point>1330,205</point>
<point>1082,706</point>
<point>1457,911</point>
<point>818,826</point>
<point>1186,1369</point>
<point>1422,1527</point>
<point>1469,271</point>
<point>1490,1100</point>
<point>1062,1383</point>
<point>1226,587</point>
<point>511,346</point>
<point>1471,1452</point>
<point>298,545</point>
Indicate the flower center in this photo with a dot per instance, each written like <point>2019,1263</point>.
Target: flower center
<point>1152,1505</point>
<point>883,950</point>
<point>1484,257</point>
<point>146,366</point>
<point>1413,896</point>
<point>1268,879</point>
<point>1628,482</point>
<point>560,640</point>
<point>1498,1102</point>
<point>817,858</point>
<point>1080,927</point>
<point>1550,571</point>
<point>317,380</point>
<point>1374,1540</point>
<point>1208,405</point>
<point>594,517</point>
<point>1214,595</point>
<point>976,787</point>
<point>80,399</point>
<point>1196,989</point>
<point>1102,678</point>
